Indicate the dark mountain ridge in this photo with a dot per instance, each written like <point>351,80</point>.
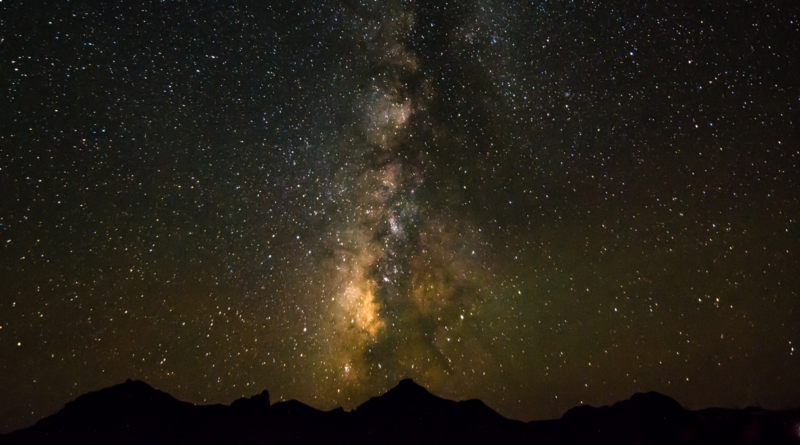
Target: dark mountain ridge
<point>133,413</point>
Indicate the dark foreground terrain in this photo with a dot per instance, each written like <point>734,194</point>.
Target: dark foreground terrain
<point>135,413</point>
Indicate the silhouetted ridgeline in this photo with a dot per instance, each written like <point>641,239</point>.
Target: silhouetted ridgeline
<point>135,413</point>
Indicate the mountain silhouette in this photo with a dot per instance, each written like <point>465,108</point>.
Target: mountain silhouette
<point>409,413</point>
<point>135,413</point>
<point>132,412</point>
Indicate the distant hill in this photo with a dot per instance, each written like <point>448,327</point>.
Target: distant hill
<point>135,413</point>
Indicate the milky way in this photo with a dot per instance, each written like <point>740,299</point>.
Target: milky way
<point>397,273</point>
<point>539,205</point>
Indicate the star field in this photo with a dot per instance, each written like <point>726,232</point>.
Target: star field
<point>539,205</point>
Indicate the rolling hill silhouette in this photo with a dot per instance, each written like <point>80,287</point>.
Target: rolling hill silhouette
<point>135,413</point>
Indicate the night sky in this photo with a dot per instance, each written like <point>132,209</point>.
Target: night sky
<point>537,204</point>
